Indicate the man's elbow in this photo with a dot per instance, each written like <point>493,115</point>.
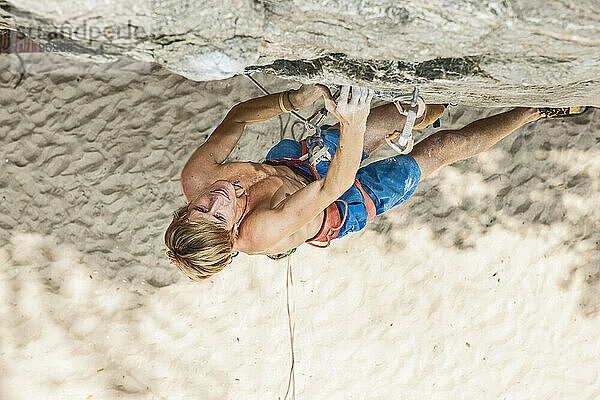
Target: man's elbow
<point>336,188</point>
<point>236,115</point>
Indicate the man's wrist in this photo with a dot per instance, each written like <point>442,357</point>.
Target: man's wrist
<point>352,128</point>
<point>292,101</point>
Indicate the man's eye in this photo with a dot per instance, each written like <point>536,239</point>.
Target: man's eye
<point>202,210</point>
<point>220,218</point>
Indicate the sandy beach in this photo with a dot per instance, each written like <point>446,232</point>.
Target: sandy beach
<point>484,285</point>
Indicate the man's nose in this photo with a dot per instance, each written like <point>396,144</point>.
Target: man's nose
<point>215,202</point>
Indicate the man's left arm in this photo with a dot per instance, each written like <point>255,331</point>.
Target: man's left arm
<point>266,107</point>
<point>224,138</point>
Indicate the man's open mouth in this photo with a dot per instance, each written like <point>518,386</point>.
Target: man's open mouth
<point>221,192</point>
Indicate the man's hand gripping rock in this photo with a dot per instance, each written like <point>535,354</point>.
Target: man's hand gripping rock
<point>353,107</point>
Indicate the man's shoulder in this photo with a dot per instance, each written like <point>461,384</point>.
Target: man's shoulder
<point>193,179</point>
<point>208,171</point>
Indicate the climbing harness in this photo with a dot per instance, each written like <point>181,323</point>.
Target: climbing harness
<point>329,232</point>
<point>317,151</point>
<point>405,140</point>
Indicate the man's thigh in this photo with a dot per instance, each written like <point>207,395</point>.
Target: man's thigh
<point>391,181</point>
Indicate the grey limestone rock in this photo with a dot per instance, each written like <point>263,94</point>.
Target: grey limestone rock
<point>473,52</point>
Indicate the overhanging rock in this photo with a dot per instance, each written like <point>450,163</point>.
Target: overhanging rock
<point>487,53</point>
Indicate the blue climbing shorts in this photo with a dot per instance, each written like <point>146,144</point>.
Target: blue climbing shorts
<point>389,182</point>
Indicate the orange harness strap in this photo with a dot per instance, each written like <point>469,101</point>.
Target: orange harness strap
<point>369,204</point>
<point>332,223</point>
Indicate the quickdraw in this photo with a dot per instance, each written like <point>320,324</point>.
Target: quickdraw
<point>405,140</point>
<point>318,151</point>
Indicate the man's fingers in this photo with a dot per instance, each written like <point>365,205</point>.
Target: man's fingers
<point>344,94</point>
<point>356,92</point>
<point>325,90</point>
<point>369,97</point>
<point>363,95</point>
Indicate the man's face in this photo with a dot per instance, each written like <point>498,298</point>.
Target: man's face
<point>217,203</point>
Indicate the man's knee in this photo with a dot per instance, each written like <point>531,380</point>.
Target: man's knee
<point>436,150</point>
<point>448,146</point>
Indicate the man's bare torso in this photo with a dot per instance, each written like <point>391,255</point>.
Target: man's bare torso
<point>267,186</point>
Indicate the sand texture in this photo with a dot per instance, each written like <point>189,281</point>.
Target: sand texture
<point>484,285</point>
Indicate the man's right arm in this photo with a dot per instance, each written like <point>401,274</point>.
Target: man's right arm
<point>295,211</point>
<point>345,162</point>
<point>352,115</point>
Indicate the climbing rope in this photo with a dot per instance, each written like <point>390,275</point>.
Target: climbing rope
<point>289,284</point>
<point>307,122</point>
<point>318,151</point>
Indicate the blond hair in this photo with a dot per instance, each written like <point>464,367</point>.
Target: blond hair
<point>199,248</point>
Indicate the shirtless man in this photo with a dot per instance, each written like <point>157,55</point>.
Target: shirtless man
<point>273,207</point>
